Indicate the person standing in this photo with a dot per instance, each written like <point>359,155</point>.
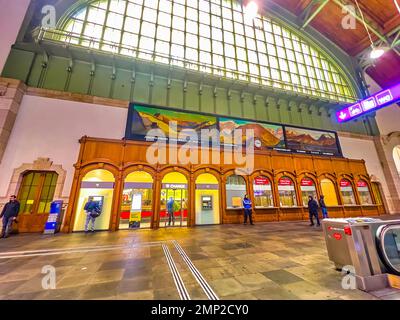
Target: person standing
<point>170,210</point>
<point>323,207</point>
<point>247,210</point>
<point>313,210</point>
<point>93,210</point>
<point>9,214</point>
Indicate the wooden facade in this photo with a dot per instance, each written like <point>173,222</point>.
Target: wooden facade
<point>124,157</point>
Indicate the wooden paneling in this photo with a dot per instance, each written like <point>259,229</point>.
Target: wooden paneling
<point>122,157</point>
<point>381,14</point>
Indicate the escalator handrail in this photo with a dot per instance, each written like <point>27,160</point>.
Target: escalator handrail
<point>380,237</point>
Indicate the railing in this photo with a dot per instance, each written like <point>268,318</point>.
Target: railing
<point>73,39</point>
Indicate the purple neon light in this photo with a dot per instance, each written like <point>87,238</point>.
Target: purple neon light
<point>374,102</point>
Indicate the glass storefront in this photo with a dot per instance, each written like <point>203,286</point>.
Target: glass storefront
<point>347,192</point>
<point>207,200</point>
<point>307,188</point>
<point>329,192</point>
<point>287,192</point>
<point>137,201</point>
<point>364,193</point>
<point>263,197</point>
<point>235,191</point>
<point>174,200</point>
<point>98,186</point>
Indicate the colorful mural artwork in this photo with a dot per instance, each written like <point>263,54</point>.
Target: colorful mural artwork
<point>305,140</point>
<point>266,135</point>
<point>172,123</point>
<point>173,126</point>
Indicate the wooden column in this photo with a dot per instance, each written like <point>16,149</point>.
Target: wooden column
<point>117,196</point>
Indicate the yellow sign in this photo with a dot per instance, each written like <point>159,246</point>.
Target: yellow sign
<point>236,201</point>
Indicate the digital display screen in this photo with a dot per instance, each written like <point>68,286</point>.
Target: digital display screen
<point>378,100</point>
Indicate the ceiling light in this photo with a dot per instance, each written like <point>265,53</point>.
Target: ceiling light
<point>376,53</point>
<point>251,9</point>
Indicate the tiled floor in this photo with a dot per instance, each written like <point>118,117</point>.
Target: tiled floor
<point>286,260</point>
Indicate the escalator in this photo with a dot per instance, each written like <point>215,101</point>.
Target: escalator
<point>370,247</point>
<point>388,246</point>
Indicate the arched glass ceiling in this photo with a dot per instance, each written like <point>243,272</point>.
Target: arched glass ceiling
<point>214,37</point>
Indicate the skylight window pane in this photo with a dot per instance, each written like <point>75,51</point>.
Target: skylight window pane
<point>132,25</point>
<point>163,33</point>
<point>149,15</point>
<point>165,6</point>
<point>237,48</point>
<point>115,20</point>
<point>96,15</point>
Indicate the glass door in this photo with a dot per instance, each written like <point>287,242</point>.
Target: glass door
<point>174,205</point>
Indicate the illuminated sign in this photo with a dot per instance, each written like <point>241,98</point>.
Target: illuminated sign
<point>261,181</point>
<point>375,102</point>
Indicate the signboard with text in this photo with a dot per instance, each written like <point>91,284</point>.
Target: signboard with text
<point>373,103</point>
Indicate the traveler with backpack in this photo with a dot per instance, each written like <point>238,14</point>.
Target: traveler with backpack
<point>93,211</point>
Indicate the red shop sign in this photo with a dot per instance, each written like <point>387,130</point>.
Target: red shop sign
<point>361,183</point>
<point>261,181</point>
<point>285,181</point>
<point>345,183</point>
<point>307,182</point>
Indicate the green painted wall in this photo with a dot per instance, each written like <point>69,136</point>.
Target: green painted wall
<point>99,80</point>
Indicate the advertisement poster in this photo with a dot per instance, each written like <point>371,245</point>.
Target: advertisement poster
<point>311,141</point>
<point>136,211</point>
<point>266,135</point>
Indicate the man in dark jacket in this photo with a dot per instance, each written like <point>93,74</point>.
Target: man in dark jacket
<point>9,214</point>
<point>313,210</point>
<point>323,207</point>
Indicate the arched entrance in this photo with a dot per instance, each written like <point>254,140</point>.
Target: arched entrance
<point>396,157</point>
<point>137,201</point>
<point>174,200</point>
<point>97,185</point>
<point>207,200</point>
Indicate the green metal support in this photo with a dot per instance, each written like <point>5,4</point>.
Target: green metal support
<point>369,26</point>
<point>307,20</point>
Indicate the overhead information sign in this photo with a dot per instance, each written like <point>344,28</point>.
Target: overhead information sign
<point>373,103</point>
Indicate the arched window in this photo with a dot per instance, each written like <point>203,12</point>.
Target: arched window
<point>329,192</point>
<point>363,192</point>
<point>263,196</point>
<point>287,192</point>
<point>307,187</point>
<point>235,191</point>
<point>347,192</point>
<point>213,37</point>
